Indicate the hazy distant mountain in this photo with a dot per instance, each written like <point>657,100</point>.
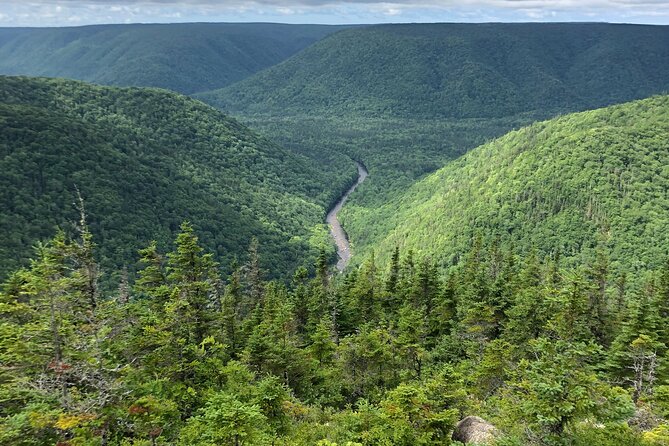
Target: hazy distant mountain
<point>188,57</point>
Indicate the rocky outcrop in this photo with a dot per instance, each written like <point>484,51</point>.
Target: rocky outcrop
<point>475,430</point>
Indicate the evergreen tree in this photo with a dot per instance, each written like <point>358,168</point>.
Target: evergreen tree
<point>598,275</point>
<point>253,278</point>
<point>152,280</point>
<point>639,343</point>
<point>230,313</point>
<point>410,338</point>
<point>272,346</point>
<point>662,303</point>
<point>318,303</point>
<point>526,316</point>
<point>192,275</point>
<point>300,299</point>
<point>569,311</point>
<point>55,345</point>
<point>391,298</point>
<point>367,292</point>
<point>393,272</point>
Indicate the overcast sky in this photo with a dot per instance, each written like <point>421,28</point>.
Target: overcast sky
<point>82,12</point>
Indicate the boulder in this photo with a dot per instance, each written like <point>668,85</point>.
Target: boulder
<point>474,430</point>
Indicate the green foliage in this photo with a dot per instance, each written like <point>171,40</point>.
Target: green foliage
<point>658,436</point>
<point>145,160</point>
<point>150,364</point>
<point>526,282</point>
<point>224,420</point>
<point>459,71</point>
<point>574,185</point>
<point>553,351</point>
<point>610,434</point>
<point>559,386</point>
<point>406,99</point>
<point>188,57</point>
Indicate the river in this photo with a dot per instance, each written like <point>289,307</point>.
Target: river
<point>336,231</point>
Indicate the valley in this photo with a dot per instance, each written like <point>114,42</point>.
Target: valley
<point>263,234</point>
<point>337,232</point>
<point>428,93</point>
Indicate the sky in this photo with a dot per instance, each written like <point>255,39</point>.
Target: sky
<point>85,12</point>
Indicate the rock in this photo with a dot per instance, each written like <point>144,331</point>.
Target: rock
<point>474,430</point>
<point>644,420</point>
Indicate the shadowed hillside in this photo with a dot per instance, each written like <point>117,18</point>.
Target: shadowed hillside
<point>144,161</point>
<point>187,57</point>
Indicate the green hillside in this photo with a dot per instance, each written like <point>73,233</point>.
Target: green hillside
<point>144,161</point>
<point>596,178</point>
<point>406,99</point>
<point>187,57</point>
<point>461,71</point>
<point>511,274</point>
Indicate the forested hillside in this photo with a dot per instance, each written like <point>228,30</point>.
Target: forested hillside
<point>564,187</point>
<point>461,71</point>
<point>392,354</point>
<point>406,99</point>
<point>187,58</point>
<point>180,290</point>
<point>144,160</point>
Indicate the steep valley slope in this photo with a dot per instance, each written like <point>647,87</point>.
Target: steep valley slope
<point>144,161</point>
<point>569,186</point>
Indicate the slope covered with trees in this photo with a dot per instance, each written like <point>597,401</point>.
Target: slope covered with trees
<point>526,282</point>
<point>406,99</point>
<point>461,71</point>
<point>392,354</point>
<point>187,58</point>
<point>565,186</point>
<point>144,160</point>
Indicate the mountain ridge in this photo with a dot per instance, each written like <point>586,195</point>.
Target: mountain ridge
<point>184,57</point>
<point>459,70</point>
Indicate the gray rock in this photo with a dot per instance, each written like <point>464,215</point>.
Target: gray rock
<point>475,430</point>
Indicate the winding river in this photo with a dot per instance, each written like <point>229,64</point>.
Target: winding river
<point>336,231</point>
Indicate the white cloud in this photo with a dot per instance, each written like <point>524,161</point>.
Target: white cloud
<point>415,4</point>
<point>63,12</point>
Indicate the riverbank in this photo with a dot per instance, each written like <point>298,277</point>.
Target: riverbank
<point>336,230</point>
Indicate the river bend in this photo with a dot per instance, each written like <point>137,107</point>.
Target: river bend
<point>336,231</point>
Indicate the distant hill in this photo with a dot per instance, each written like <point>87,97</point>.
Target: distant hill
<point>461,71</point>
<point>567,185</point>
<point>144,161</point>
<point>187,58</point>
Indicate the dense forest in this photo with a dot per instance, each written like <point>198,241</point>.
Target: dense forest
<point>145,160</point>
<point>569,185</point>
<point>166,275</point>
<point>456,70</point>
<point>406,99</point>
<point>391,354</point>
<point>188,58</point>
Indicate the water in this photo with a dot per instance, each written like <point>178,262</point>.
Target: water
<point>336,231</point>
